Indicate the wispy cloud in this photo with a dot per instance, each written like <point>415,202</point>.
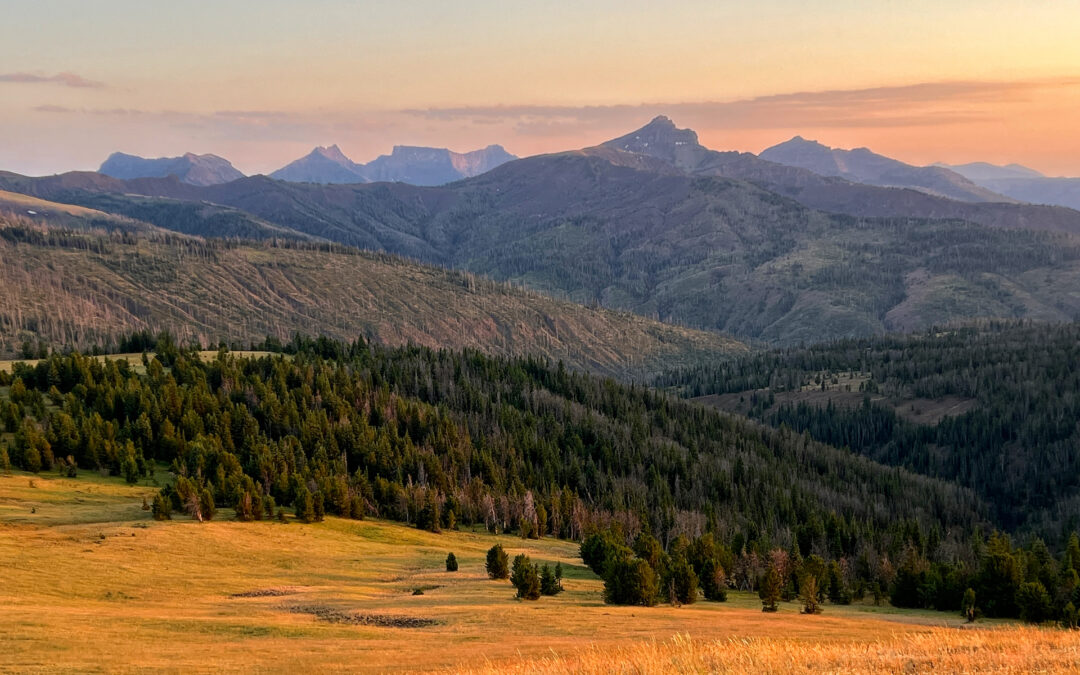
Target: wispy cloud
<point>63,79</point>
<point>924,104</point>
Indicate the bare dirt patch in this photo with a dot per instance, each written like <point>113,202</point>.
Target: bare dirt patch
<point>334,615</point>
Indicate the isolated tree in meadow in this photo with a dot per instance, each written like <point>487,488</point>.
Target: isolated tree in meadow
<point>967,605</point>
<point>498,563</point>
<point>525,578</point>
<point>769,590</point>
<point>808,593</point>
<point>549,583</point>
<point>451,563</point>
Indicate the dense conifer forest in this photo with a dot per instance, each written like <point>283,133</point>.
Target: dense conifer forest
<point>667,496</point>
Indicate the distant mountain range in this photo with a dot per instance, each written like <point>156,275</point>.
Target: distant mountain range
<point>1024,184</point>
<point>327,165</point>
<point>863,166</point>
<point>655,223</point>
<point>190,168</point>
<point>406,164</point>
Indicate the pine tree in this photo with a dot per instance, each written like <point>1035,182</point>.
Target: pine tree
<point>769,590</point>
<point>451,563</point>
<point>206,504</point>
<point>161,508</point>
<point>304,506</point>
<point>967,605</point>
<point>808,593</point>
<point>630,581</point>
<point>682,581</point>
<point>319,507</point>
<point>713,581</point>
<point>525,578</point>
<point>549,583</point>
<point>498,563</point>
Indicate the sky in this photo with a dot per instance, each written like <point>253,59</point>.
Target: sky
<point>261,82</point>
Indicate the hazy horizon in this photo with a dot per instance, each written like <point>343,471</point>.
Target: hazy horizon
<point>262,83</point>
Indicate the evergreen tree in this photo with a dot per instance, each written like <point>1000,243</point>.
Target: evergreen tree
<point>967,605</point>
<point>769,590</point>
<point>808,593</point>
<point>525,578</point>
<point>161,508</point>
<point>303,505</point>
<point>1033,602</point>
<point>206,505</point>
<point>630,581</point>
<point>319,507</point>
<point>498,563</point>
<point>549,583</point>
<point>682,581</point>
<point>451,563</point>
<point>714,581</point>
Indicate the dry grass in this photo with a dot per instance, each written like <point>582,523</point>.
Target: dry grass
<point>1011,650</point>
<point>91,583</point>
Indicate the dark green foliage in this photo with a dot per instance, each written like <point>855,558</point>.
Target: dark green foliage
<point>207,509</point>
<point>1033,602</point>
<point>1069,617</point>
<point>599,549</point>
<point>398,430</point>
<point>681,582</point>
<point>838,590</point>
<point>769,590</point>
<point>497,563</point>
<point>630,581</point>
<point>304,505</point>
<point>161,508</point>
<point>714,581</point>
<point>550,580</point>
<point>428,516</point>
<point>451,563</point>
<point>1019,379</point>
<point>319,507</point>
<point>967,605</point>
<point>526,578</point>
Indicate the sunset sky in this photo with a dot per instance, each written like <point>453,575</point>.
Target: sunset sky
<point>263,81</point>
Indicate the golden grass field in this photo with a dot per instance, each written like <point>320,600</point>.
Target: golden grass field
<point>91,583</point>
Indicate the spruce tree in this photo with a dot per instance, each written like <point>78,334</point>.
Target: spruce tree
<point>769,590</point>
<point>808,593</point>
<point>525,578</point>
<point>498,563</point>
<point>304,506</point>
<point>549,584</point>
<point>451,563</point>
<point>967,605</point>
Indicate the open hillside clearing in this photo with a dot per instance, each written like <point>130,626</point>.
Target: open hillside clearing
<point>93,583</point>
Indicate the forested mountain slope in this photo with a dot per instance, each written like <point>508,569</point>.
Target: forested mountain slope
<point>425,436</point>
<point>633,232</point>
<point>78,290</point>
<point>993,407</point>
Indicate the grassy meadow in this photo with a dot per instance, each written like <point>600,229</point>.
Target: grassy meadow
<point>91,583</point>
